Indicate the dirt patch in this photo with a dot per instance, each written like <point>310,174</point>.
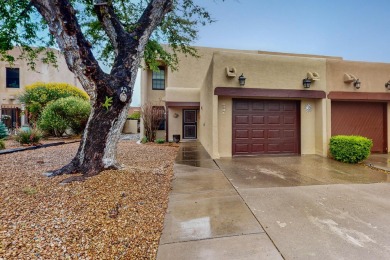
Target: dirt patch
<point>115,215</point>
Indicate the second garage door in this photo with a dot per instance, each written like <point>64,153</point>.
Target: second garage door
<point>265,127</point>
<point>367,119</point>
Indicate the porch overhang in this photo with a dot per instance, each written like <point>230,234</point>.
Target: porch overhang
<point>359,96</point>
<point>269,93</point>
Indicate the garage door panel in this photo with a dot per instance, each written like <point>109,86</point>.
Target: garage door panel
<point>289,133</point>
<point>273,133</point>
<point>258,133</point>
<point>241,120</point>
<point>242,148</point>
<point>361,118</point>
<point>289,120</point>
<point>273,119</point>
<point>258,148</point>
<point>258,106</point>
<point>273,106</point>
<point>288,147</point>
<point>273,148</point>
<point>289,107</point>
<point>242,133</point>
<point>241,106</point>
<point>258,120</point>
<point>272,127</point>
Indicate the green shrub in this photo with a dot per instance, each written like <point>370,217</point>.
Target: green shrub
<point>160,140</point>
<point>135,116</point>
<point>144,140</point>
<point>39,94</point>
<point>2,144</point>
<point>350,149</point>
<point>64,113</point>
<point>31,136</point>
<point>3,130</point>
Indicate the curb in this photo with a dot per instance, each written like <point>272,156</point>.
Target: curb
<point>7,151</point>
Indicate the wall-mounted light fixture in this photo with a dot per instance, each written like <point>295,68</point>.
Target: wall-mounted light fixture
<point>310,78</point>
<point>241,80</point>
<point>349,78</point>
<point>306,82</point>
<point>387,85</point>
<point>356,83</point>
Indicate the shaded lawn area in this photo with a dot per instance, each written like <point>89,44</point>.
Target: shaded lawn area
<point>117,214</point>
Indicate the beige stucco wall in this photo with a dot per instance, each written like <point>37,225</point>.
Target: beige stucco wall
<point>271,72</point>
<point>205,123</point>
<point>197,79</point>
<point>43,73</point>
<point>268,71</point>
<point>372,76</point>
<point>175,125</point>
<point>225,113</point>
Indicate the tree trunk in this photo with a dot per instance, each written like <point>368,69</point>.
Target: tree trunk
<point>97,151</point>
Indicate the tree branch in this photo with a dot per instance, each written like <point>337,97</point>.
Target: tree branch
<point>63,25</point>
<point>111,23</point>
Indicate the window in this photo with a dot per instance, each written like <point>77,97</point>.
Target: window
<point>12,77</point>
<point>159,117</point>
<point>158,79</point>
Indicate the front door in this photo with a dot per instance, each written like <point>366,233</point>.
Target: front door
<point>189,124</point>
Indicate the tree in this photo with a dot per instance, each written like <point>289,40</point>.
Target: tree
<point>121,32</point>
<point>152,116</point>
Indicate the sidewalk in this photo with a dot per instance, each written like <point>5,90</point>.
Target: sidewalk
<point>207,218</point>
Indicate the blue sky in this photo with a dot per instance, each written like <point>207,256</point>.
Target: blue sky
<point>355,30</point>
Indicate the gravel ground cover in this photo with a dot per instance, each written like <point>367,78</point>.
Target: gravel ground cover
<point>114,215</point>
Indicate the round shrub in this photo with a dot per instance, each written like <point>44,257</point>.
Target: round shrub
<point>64,113</point>
<point>350,148</point>
<point>30,136</point>
<point>36,96</point>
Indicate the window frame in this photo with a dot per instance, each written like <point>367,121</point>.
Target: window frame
<point>157,79</point>
<point>8,79</point>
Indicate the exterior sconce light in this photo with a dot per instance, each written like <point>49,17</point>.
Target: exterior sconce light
<point>356,83</point>
<point>306,82</point>
<point>310,78</point>
<point>241,80</point>
<point>349,78</point>
<point>387,85</point>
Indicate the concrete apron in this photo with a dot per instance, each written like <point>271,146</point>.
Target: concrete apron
<point>207,218</point>
<point>304,207</point>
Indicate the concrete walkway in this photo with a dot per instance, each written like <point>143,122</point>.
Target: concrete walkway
<point>301,207</point>
<point>207,218</point>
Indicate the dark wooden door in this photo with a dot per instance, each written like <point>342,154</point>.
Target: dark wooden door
<point>265,127</point>
<point>367,119</point>
<point>189,124</point>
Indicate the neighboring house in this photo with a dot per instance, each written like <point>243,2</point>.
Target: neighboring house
<point>14,78</point>
<point>273,113</point>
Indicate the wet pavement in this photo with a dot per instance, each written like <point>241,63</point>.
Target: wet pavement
<point>304,207</point>
<point>287,171</point>
<point>207,218</point>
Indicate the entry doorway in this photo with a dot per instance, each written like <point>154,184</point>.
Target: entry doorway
<point>189,124</point>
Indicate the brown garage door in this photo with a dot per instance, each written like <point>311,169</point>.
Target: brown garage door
<point>265,127</point>
<point>361,118</point>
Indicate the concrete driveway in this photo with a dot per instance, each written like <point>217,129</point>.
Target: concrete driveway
<point>302,207</point>
<point>315,208</point>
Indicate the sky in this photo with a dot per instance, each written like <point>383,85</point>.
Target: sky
<point>354,30</point>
